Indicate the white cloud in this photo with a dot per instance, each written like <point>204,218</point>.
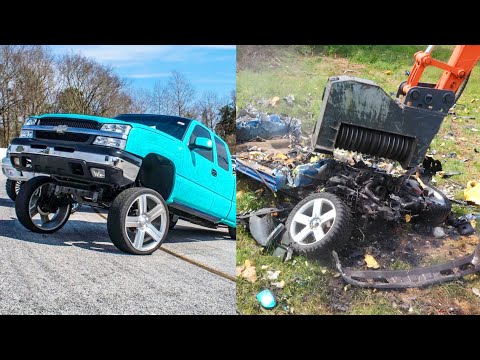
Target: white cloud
<point>121,54</point>
<point>148,75</point>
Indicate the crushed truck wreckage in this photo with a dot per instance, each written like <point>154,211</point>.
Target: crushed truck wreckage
<point>327,193</point>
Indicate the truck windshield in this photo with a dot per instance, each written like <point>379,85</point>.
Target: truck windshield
<point>171,125</point>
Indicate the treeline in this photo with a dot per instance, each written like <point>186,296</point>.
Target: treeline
<point>33,81</point>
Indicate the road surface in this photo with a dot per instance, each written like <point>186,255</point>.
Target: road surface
<point>79,271</point>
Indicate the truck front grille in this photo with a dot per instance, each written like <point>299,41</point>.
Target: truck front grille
<point>82,124</point>
<point>71,137</point>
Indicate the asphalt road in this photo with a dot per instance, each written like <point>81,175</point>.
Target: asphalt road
<point>79,271</point>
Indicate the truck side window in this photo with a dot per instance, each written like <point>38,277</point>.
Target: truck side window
<point>200,131</point>
<point>221,154</point>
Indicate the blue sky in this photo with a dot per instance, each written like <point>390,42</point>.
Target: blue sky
<point>208,67</point>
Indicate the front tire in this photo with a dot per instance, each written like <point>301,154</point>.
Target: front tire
<point>12,188</point>
<point>319,224</point>
<point>38,209</point>
<point>138,221</point>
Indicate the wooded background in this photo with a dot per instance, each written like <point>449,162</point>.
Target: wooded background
<point>33,81</point>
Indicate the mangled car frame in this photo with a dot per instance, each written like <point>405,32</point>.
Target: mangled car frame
<point>329,192</point>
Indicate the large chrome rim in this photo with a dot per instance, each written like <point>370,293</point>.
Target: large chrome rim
<point>312,222</point>
<point>43,218</point>
<point>146,222</point>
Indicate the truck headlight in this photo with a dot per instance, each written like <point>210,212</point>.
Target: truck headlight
<point>26,134</point>
<point>117,128</point>
<point>111,142</point>
<point>30,122</point>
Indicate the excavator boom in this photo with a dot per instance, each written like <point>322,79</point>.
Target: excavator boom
<point>358,115</point>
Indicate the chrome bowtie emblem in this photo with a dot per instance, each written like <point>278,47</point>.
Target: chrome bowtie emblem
<point>60,129</point>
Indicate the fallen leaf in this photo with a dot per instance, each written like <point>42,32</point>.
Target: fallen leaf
<point>472,101</point>
<point>240,194</point>
<point>273,101</point>
<point>279,284</point>
<point>476,291</point>
<point>371,262</point>
<point>250,274</point>
<point>247,271</point>
<point>281,156</point>
<point>264,267</point>
<point>442,144</point>
<point>472,192</point>
<point>239,270</point>
<point>387,72</point>
<point>408,218</point>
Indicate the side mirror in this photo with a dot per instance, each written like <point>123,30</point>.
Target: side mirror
<point>202,143</point>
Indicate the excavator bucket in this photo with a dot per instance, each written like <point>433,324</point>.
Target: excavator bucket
<point>358,115</point>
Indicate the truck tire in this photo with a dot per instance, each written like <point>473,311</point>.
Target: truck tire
<point>12,188</point>
<point>138,221</point>
<point>439,208</point>
<point>319,224</point>
<point>38,210</point>
<point>232,232</point>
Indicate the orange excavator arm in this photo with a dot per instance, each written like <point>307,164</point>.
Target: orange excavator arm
<point>456,71</point>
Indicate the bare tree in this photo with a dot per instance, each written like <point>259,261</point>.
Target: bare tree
<point>209,105</point>
<point>179,94</point>
<point>159,100</point>
<point>88,87</point>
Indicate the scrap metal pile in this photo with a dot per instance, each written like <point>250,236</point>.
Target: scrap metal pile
<point>372,188</point>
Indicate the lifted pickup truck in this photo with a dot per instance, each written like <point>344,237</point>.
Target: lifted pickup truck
<point>148,170</point>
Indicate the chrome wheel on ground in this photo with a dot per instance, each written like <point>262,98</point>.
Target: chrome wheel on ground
<point>138,221</point>
<point>319,223</point>
<point>12,188</point>
<point>39,209</point>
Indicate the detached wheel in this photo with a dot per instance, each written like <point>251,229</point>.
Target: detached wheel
<point>138,221</point>
<point>12,188</point>
<point>37,207</point>
<point>318,224</point>
<point>232,232</point>
<point>439,207</point>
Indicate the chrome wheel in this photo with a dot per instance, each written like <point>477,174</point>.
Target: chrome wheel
<point>146,221</point>
<point>312,222</point>
<point>44,213</point>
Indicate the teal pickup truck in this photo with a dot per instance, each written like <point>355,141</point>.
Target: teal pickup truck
<point>148,170</point>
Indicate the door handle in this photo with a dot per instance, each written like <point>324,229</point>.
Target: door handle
<point>214,172</point>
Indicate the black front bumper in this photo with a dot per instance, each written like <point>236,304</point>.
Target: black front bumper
<point>75,161</point>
